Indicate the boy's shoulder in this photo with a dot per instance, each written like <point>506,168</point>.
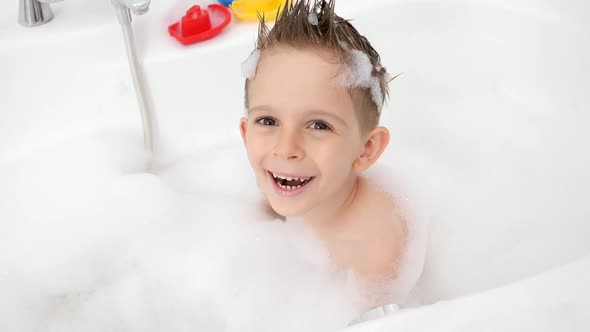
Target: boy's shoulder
<point>381,232</point>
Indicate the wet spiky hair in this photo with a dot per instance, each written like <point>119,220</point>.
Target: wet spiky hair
<point>314,24</point>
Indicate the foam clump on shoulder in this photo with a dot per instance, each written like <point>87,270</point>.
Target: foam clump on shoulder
<point>360,74</point>
<point>250,64</point>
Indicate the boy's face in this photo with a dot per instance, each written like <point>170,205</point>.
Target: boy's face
<point>301,124</point>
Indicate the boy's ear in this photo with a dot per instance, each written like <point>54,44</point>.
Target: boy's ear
<point>243,127</point>
<point>376,142</point>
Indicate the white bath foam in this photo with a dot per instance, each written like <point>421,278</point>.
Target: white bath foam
<point>87,246</point>
<point>359,73</point>
<point>312,19</point>
<point>221,169</point>
<point>249,65</point>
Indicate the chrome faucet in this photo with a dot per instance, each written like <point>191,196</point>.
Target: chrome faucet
<point>137,7</point>
<point>36,12</point>
<point>32,13</point>
<point>126,7</point>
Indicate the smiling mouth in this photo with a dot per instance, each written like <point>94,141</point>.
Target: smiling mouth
<point>290,183</point>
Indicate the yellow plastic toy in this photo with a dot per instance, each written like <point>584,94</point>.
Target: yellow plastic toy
<point>247,10</point>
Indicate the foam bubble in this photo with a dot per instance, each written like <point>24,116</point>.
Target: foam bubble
<point>250,64</point>
<point>360,74</point>
<point>312,19</point>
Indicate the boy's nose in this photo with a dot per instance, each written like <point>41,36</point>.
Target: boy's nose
<point>288,146</point>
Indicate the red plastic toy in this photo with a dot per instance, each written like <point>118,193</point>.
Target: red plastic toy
<point>200,24</point>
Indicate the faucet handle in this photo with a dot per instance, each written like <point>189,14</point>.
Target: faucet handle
<point>49,1</point>
<point>33,12</point>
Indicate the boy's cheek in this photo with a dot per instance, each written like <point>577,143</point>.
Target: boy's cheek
<point>257,145</point>
<point>255,154</point>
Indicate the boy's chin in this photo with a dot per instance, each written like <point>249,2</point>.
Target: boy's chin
<point>285,211</point>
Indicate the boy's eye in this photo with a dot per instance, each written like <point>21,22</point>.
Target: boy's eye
<point>266,121</point>
<point>318,125</point>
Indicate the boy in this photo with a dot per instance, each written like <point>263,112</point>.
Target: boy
<point>314,90</point>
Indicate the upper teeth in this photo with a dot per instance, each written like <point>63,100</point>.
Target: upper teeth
<point>289,178</point>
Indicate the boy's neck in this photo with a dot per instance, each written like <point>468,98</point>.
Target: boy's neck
<point>329,215</point>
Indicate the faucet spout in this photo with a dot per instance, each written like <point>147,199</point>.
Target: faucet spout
<point>137,7</point>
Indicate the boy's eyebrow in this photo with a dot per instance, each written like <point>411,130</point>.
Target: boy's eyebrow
<point>260,108</point>
<point>311,111</point>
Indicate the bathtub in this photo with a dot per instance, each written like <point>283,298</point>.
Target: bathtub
<point>488,122</point>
